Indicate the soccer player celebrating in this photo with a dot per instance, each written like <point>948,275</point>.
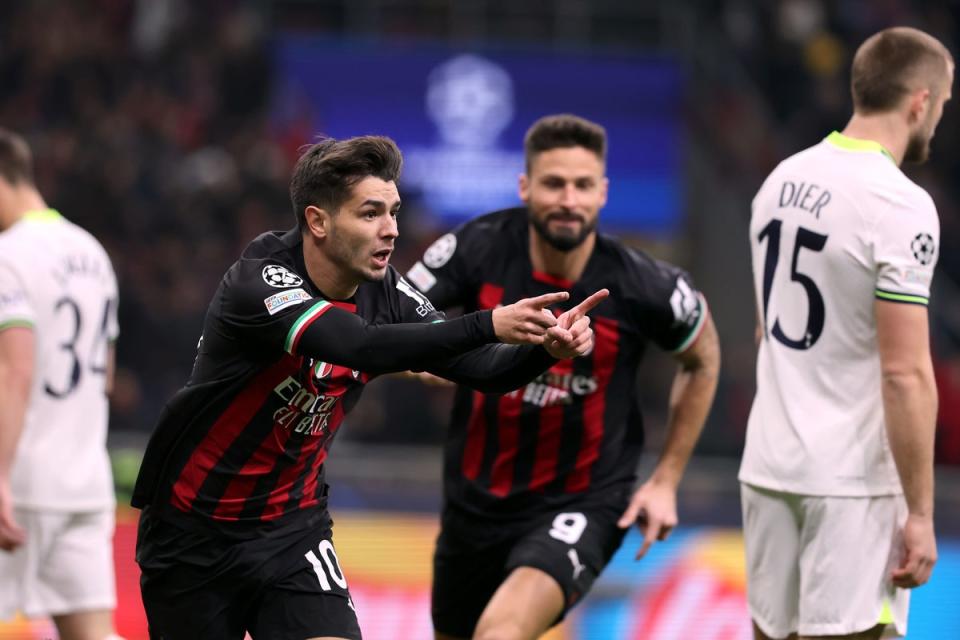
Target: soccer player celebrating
<point>837,473</point>
<point>235,536</point>
<point>58,322</point>
<point>538,484</point>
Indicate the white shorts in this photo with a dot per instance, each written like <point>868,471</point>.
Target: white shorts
<point>821,565</point>
<point>65,565</point>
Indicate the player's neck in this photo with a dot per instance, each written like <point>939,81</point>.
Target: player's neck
<point>20,201</point>
<point>887,129</point>
<point>326,275</point>
<point>568,265</point>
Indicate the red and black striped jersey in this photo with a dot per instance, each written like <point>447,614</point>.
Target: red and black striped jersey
<point>577,427</point>
<point>241,447</point>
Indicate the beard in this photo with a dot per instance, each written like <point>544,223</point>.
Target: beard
<point>918,148</point>
<point>564,240</point>
<point>918,144</point>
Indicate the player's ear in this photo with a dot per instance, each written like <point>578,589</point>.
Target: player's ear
<point>523,187</point>
<point>318,221</point>
<point>919,104</point>
<point>604,188</point>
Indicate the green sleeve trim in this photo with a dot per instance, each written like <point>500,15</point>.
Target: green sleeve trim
<point>293,336</point>
<point>893,296</point>
<point>16,322</point>
<point>695,331</point>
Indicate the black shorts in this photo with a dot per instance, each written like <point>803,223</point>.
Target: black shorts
<point>474,556</point>
<point>286,586</point>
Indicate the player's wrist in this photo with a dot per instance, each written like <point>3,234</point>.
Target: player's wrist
<point>665,479</point>
<point>924,513</point>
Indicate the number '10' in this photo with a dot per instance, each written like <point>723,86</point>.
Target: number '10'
<point>808,240</point>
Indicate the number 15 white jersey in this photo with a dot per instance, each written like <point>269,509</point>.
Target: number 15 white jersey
<point>57,279</point>
<point>833,228</point>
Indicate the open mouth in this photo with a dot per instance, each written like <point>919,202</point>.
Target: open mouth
<point>382,257</point>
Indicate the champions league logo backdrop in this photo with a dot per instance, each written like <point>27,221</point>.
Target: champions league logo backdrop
<point>460,117</point>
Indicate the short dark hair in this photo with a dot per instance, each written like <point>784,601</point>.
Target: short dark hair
<point>16,161</point>
<point>327,171</point>
<point>563,131</point>
<point>892,63</point>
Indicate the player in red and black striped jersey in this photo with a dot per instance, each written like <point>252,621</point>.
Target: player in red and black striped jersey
<point>538,481</point>
<point>235,536</point>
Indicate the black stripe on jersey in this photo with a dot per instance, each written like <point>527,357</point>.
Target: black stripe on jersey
<point>526,448</point>
<point>256,503</point>
<point>491,442</point>
<point>573,433</point>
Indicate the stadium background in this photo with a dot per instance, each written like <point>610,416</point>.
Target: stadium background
<point>169,128</point>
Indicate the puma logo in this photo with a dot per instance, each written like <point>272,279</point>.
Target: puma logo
<point>575,560</point>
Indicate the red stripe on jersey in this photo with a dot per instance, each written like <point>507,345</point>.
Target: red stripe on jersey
<point>549,434</point>
<point>508,433</point>
<point>489,297</point>
<point>346,306</point>
<point>311,486</point>
<point>555,281</point>
<point>606,344</point>
<point>476,434</point>
<point>226,429</point>
<point>261,463</point>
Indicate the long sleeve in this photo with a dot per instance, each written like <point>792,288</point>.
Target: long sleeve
<point>496,368</point>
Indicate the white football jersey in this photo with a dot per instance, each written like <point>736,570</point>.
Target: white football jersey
<point>56,278</point>
<point>833,228</point>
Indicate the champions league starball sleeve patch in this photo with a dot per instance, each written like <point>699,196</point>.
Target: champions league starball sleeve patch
<point>280,277</point>
<point>924,248</point>
<point>906,255</point>
<point>15,308</point>
<point>440,252</point>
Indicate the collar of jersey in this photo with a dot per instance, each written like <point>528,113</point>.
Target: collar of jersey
<point>837,139</point>
<point>43,215</point>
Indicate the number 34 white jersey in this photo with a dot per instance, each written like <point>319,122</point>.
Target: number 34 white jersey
<point>57,279</point>
<point>833,228</point>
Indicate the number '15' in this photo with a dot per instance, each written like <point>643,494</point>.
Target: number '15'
<point>811,241</point>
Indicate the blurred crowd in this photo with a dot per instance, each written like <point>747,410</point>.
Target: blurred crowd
<point>147,125</point>
<point>150,123</point>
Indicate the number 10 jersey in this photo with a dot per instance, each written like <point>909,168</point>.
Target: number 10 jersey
<point>57,280</point>
<point>833,228</point>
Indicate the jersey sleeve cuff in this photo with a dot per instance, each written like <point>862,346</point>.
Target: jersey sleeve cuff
<point>697,328</point>
<point>16,322</point>
<point>896,296</point>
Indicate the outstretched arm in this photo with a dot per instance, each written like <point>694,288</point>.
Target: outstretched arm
<point>333,335</point>
<point>654,505</point>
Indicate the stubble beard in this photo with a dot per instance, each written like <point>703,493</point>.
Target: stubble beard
<point>348,259</point>
<point>562,241</point>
